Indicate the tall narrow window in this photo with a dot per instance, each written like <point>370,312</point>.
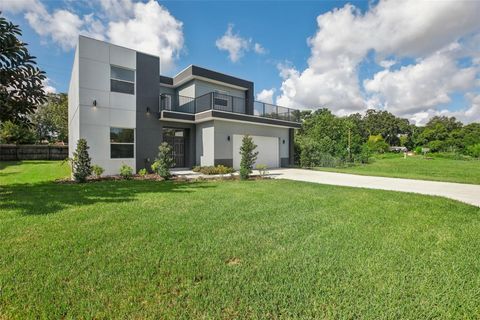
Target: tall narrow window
<point>122,80</point>
<point>122,143</point>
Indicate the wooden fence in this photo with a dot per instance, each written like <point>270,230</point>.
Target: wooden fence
<point>12,152</point>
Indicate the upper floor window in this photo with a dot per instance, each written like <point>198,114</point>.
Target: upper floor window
<point>122,80</point>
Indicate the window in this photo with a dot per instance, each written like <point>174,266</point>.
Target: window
<point>122,80</point>
<point>166,101</point>
<point>122,143</point>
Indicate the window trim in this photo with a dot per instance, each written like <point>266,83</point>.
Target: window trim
<point>121,80</point>
<point>134,143</point>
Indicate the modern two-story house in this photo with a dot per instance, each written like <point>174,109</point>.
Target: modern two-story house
<point>121,104</point>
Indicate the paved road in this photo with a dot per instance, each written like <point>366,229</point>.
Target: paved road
<point>467,193</point>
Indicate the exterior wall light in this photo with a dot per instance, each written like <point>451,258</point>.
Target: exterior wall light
<point>94,103</point>
<point>148,111</point>
<point>228,138</point>
<point>283,141</point>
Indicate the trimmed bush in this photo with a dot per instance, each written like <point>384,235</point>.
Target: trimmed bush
<point>142,172</point>
<point>126,172</point>
<point>164,161</point>
<point>249,156</point>
<point>210,170</point>
<point>97,170</point>
<point>81,162</point>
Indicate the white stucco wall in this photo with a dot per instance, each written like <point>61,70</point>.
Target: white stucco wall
<point>223,129</point>
<point>205,148</point>
<point>112,110</point>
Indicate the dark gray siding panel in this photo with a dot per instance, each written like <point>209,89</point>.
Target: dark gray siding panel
<point>148,127</point>
<point>242,117</point>
<point>284,162</point>
<point>190,139</point>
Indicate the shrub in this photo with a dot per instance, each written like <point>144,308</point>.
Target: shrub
<point>126,172</point>
<point>164,161</point>
<point>209,170</point>
<point>436,145</point>
<point>418,150</point>
<point>249,156</point>
<point>97,170</point>
<point>474,150</point>
<point>81,166</point>
<point>262,169</point>
<point>377,144</point>
<point>142,172</point>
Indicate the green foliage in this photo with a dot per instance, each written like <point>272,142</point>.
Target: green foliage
<point>14,133</point>
<point>142,172</point>
<point>126,172</point>
<point>376,144</point>
<point>21,81</point>
<point>81,162</point>
<point>50,120</point>
<point>474,150</point>
<point>164,161</point>
<point>418,150</point>
<point>97,170</point>
<point>380,122</point>
<point>436,145</point>
<point>248,156</point>
<point>209,170</point>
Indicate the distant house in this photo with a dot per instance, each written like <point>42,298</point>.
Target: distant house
<point>125,108</point>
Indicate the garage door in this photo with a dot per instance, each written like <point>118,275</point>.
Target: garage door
<point>267,147</point>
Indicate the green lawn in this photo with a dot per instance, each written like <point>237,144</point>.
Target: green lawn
<point>255,249</point>
<point>417,167</point>
<point>13,172</point>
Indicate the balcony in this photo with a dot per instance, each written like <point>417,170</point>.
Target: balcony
<point>226,103</point>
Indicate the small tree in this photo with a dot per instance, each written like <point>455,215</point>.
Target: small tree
<point>249,156</point>
<point>164,161</point>
<point>81,162</point>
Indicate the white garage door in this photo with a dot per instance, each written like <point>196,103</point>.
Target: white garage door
<point>267,147</point>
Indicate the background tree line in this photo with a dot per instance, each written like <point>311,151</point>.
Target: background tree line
<point>328,140</point>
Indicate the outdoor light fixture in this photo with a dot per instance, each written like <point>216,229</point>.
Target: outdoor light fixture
<point>228,138</point>
<point>94,103</point>
<point>283,141</point>
<point>148,110</point>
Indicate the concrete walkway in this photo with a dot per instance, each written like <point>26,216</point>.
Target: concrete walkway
<point>467,193</point>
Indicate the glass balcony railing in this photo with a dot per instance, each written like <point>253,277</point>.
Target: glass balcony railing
<point>226,103</point>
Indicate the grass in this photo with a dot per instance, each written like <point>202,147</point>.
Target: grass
<point>416,167</point>
<point>254,249</point>
<point>16,172</point>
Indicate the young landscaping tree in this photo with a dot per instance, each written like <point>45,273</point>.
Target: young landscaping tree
<point>164,161</point>
<point>249,156</point>
<point>81,165</point>
<point>21,81</point>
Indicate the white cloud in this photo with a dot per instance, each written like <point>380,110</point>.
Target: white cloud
<point>415,29</point>
<point>466,115</point>
<point>47,86</point>
<point>421,86</point>
<point>258,48</point>
<point>266,95</point>
<point>147,27</point>
<point>233,43</point>
<point>151,29</point>
<point>236,45</point>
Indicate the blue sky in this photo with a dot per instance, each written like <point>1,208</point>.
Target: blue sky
<point>308,54</point>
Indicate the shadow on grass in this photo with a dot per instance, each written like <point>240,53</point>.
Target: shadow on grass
<point>49,197</point>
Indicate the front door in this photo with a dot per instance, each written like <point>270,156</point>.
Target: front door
<point>176,139</point>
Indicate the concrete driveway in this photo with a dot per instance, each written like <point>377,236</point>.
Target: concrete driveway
<point>467,193</point>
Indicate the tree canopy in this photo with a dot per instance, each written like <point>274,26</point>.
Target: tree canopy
<point>21,81</point>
